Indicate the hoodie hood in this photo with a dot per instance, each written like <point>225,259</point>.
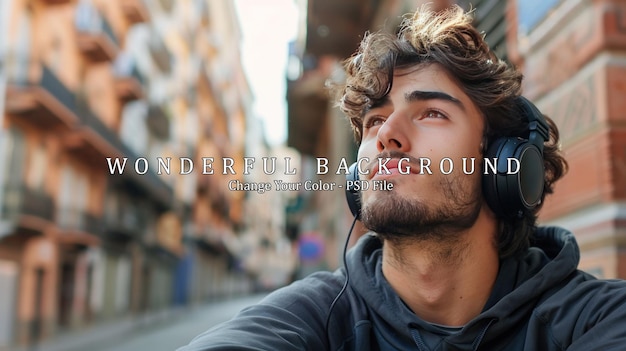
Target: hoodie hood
<point>521,283</point>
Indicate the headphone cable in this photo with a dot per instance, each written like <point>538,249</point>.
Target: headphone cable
<point>345,283</point>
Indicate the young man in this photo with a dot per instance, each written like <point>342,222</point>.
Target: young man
<point>455,260</point>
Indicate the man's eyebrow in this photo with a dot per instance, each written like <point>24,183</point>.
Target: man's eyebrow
<point>419,95</point>
<point>378,103</point>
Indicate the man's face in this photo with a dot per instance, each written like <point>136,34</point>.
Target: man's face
<point>426,116</point>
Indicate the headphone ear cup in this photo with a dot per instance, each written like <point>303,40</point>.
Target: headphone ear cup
<point>352,194</point>
<point>530,178</point>
<point>507,191</point>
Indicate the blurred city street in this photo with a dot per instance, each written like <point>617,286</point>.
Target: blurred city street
<point>169,334</point>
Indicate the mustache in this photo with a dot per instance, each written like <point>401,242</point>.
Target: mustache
<point>372,165</point>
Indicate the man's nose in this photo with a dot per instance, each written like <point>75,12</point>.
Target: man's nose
<point>392,135</point>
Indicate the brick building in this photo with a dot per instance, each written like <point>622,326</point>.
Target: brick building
<point>572,55</point>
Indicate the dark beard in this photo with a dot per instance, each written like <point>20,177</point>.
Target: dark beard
<point>398,219</point>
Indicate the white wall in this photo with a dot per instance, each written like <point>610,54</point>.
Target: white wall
<point>8,286</point>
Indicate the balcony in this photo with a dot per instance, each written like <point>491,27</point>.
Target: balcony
<point>76,228</point>
<point>160,53</point>
<point>161,253</point>
<point>37,95</point>
<point>135,11</point>
<point>220,203</point>
<point>129,82</point>
<point>56,2</point>
<point>93,142</point>
<point>93,224</point>
<point>124,225</point>
<point>335,27</point>
<point>71,219</point>
<point>167,5</point>
<point>203,8</point>
<point>148,185</point>
<point>333,30</point>
<point>158,121</point>
<point>307,106</point>
<point>95,37</point>
<point>26,207</point>
<point>208,239</point>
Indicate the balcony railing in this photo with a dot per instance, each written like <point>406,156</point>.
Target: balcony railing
<point>56,2</point>
<point>71,219</point>
<point>35,92</point>
<point>129,81</point>
<point>23,200</point>
<point>150,184</point>
<point>167,5</point>
<point>158,122</point>
<point>93,122</point>
<point>77,226</point>
<point>160,53</point>
<point>126,224</point>
<point>51,83</point>
<point>94,224</point>
<point>37,203</point>
<point>96,38</point>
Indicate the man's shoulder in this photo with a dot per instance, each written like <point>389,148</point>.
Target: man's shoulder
<point>585,294</point>
<point>583,308</point>
<point>316,288</point>
<point>581,283</point>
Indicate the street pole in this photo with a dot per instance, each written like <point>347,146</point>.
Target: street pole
<point>5,12</point>
<point>3,150</point>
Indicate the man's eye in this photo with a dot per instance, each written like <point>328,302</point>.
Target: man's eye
<point>373,122</point>
<point>434,114</point>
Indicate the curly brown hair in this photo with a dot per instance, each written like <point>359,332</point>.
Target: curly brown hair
<point>449,39</point>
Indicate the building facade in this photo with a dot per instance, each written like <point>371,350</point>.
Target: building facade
<point>572,54</point>
<point>106,107</point>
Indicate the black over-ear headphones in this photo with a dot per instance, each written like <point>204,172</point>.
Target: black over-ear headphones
<point>507,193</point>
<point>513,194</point>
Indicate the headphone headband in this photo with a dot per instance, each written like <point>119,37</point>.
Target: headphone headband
<point>537,125</point>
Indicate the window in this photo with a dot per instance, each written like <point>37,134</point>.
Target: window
<point>16,50</point>
<point>5,13</point>
<point>72,198</point>
<point>531,12</point>
<point>12,168</point>
<point>37,168</point>
<point>133,130</point>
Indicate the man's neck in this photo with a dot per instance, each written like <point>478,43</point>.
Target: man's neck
<point>445,282</point>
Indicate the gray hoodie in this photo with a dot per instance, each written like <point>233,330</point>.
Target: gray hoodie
<point>540,301</point>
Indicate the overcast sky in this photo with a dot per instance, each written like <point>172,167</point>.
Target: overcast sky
<point>267,28</point>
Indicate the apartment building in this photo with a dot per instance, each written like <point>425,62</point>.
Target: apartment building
<point>89,83</point>
<point>572,54</point>
<point>329,32</point>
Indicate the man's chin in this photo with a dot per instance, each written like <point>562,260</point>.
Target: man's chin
<point>393,216</point>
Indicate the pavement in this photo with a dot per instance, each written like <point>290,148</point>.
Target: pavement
<point>167,332</point>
